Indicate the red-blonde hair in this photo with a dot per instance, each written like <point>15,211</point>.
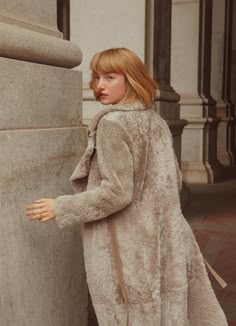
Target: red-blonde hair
<point>140,86</point>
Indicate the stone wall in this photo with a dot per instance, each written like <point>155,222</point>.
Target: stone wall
<point>42,278</point>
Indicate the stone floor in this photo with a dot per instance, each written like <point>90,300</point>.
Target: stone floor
<point>212,215</point>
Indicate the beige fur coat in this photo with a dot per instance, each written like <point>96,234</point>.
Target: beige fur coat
<point>144,267</point>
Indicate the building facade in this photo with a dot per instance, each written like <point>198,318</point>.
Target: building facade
<point>188,46</point>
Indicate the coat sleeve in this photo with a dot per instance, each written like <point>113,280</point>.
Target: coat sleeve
<point>115,165</point>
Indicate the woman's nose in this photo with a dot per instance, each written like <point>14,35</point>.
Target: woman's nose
<point>100,83</point>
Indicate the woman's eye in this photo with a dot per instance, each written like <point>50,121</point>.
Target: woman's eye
<point>110,77</point>
<point>96,77</point>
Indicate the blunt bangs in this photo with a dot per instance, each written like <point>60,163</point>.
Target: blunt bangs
<point>106,62</point>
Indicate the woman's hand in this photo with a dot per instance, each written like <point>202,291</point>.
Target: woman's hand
<point>42,210</point>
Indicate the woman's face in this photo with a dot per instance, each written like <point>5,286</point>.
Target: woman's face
<point>111,87</point>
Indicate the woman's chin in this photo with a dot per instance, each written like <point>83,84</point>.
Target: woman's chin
<point>105,101</point>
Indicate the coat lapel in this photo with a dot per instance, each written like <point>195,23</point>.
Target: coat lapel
<point>82,169</point>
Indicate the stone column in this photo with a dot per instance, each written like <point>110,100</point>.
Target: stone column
<point>63,18</point>
<point>233,78</point>
<point>158,47</point>
<point>229,75</point>
<point>190,75</point>
<point>217,78</point>
<point>42,278</point>
<point>233,53</point>
<point>158,62</point>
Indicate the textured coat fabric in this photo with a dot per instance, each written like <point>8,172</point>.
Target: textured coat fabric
<point>129,175</point>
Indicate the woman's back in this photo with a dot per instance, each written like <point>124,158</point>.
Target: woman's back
<point>159,254</point>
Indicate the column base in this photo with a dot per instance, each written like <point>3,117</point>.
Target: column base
<point>224,154</point>
<point>199,161</point>
<point>199,172</point>
<point>231,140</point>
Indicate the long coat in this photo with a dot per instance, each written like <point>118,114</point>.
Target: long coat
<point>143,265</point>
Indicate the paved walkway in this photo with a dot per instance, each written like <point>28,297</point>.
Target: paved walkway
<point>212,215</point>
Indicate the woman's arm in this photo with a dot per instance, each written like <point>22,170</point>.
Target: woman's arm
<point>115,164</point>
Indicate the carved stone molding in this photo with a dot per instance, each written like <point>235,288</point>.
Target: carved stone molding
<point>27,45</point>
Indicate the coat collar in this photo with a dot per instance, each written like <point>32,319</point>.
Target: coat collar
<point>83,168</point>
<point>117,107</point>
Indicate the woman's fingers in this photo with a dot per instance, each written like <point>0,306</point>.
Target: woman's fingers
<point>39,216</point>
<point>42,210</point>
<point>47,216</point>
<point>45,219</point>
<point>39,203</point>
<point>35,217</point>
<point>37,211</point>
<point>41,200</point>
<point>34,206</point>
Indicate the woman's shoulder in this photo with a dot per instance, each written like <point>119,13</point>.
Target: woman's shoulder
<point>113,116</point>
<point>129,116</point>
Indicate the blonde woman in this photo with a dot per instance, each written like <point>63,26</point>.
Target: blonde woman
<point>144,267</point>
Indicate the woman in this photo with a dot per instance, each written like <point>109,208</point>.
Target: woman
<point>144,267</point>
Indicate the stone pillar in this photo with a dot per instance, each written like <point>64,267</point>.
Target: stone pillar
<point>158,47</point>
<point>229,71</point>
<point>190,75</point>
<point>233,54</point>
<point>63,18</point>
<point>42,278</point>
<point>233,78</point>
<point>217,78</point>
<point>158,57</point>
